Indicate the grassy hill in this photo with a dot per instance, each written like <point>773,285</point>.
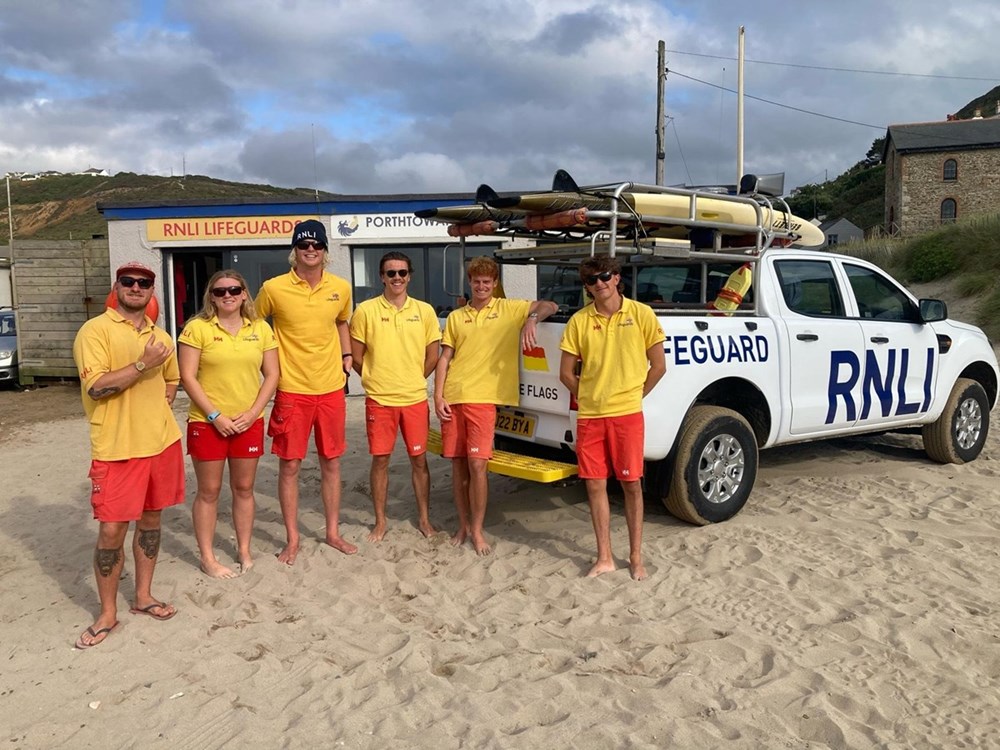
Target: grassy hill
<point>65,207</point>
<point>857,195</point>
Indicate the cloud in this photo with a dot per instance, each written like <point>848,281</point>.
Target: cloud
<point>402,97</point>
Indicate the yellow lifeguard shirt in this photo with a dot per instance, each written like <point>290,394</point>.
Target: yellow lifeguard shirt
<point>305,325</point>
<point>396,342</point>
<point>137,422</point>
<point>613,352</point>
<point>229,366</point>
<point>487,344</point>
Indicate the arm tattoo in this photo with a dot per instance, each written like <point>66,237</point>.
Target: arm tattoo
<point>99,394</point>
<point>149,542</point>
<point>106,560</point>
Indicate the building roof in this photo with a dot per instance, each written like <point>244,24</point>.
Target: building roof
<point>952,135</point>
<point>826,226</point>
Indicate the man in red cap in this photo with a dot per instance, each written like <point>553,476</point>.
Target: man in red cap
<point>128,378</point>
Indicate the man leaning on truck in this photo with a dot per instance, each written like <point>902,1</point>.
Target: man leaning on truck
<point>619,344</point>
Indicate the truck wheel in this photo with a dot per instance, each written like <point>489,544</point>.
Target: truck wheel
<point>958,435</point>
<point>716,466</point>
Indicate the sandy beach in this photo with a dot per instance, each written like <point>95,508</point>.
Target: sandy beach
<point>853,603</point>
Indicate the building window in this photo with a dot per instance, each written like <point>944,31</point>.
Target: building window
<point>949,210</point>
<point>950,170</point>
<point>831,239</point>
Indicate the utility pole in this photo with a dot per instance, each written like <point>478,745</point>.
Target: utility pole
<point>739,110</point>
<point>661,79</point>
<point>10,214</point>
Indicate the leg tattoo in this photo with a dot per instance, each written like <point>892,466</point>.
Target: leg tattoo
<point>149,542</point>
<point>106,560</point>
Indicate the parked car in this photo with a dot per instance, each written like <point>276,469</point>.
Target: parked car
<point>8,347</point>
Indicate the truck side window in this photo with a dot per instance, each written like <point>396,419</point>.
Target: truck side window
<point>877,297</point>
<point>809,287</point>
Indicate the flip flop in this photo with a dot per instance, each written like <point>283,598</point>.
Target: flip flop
<point>81,644</point>
<point>148,610</point>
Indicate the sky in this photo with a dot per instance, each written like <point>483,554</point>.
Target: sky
<point>430,96</point>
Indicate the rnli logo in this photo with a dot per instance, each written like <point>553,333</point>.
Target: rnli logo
<point>347,227</point>
<point>626,323</point>
<point>252,337</point>
<point>335,297</point>
<point>413,319</point>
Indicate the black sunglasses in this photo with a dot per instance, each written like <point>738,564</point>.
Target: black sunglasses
<point>591,279</point>
<point>222,291</point>
<point>402,272</point>
<point>128,282</point>
<point>305,245</point>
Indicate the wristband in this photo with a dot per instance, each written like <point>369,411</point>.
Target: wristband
<point>532,316</point>
<point>213,416</point>
<point>345,356</point>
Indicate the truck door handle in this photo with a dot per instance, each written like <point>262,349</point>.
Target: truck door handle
<point>807,337</point>
<point>880,339</point>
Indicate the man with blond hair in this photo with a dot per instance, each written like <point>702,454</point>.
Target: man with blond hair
<point>309,308</point>
<point>477,371</point>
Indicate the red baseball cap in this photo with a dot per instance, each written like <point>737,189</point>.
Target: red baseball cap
<point>134,267</point>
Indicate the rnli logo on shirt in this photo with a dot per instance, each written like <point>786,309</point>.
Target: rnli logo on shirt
<point>626,323</point>
<point>413,319</point>
<point>493,316</point>
<point>335,297</point>
<point>252,337</point>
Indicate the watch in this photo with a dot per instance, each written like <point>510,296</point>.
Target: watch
<point>533,315</point>
<point>140,365</point>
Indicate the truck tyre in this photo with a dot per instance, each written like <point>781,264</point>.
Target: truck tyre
<point>958,435</point>
<point>715,468</point>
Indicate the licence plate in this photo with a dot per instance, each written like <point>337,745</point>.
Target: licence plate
<point>515,424</point>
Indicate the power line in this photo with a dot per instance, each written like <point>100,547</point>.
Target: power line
<point>783,106</point>
<point>673,124</point>
<point>840,70</point>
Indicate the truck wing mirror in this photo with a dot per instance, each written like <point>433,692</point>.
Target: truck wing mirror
<point>933,310</point>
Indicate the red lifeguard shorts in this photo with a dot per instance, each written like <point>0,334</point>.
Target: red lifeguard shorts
<point>469,434</point>
<point>610,446</point>
<point>121,490</point>
<point>295,415</point>
<point>383,422</point>
<point>205,443</point>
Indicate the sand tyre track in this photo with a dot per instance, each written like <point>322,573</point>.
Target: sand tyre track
<point>960,432</point>
<point>715,467</point>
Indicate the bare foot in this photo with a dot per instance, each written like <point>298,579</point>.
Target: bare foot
<point>289,553</point>
<point>638,571</point>
<point>600,567</point>
<point>458,538</point>
<point>246,562</point>
<point>342,545</point>
<point>481,545</point>
<point>427,529</point>
<point>215,569</point>
<point>377,534</point>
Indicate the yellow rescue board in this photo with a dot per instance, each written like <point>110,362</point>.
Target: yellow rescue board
<point>514,465</point>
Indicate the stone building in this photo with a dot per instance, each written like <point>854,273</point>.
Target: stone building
<point>937,172</point>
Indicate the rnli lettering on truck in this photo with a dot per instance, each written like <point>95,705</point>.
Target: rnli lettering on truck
<point>703,348</point>
<point>887,389</point>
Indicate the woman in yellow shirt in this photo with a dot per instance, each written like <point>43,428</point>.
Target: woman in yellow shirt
<point>223,352</point>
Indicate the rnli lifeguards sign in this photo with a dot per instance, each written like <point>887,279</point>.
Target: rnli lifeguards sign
<point>222,228</point>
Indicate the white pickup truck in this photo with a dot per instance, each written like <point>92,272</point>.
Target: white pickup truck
<point>820,345</point>
<point>830,346</point>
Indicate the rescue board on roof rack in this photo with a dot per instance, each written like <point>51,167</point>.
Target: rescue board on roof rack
<point>649,210</point>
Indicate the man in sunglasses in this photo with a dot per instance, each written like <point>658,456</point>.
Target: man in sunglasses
<point>128,378</point>
<point>309,308</point>
<point>477,371</point>
<point>394,340</point>
<point>618,344</point>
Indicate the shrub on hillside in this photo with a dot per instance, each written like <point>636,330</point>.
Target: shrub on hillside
<point>929,261</point>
